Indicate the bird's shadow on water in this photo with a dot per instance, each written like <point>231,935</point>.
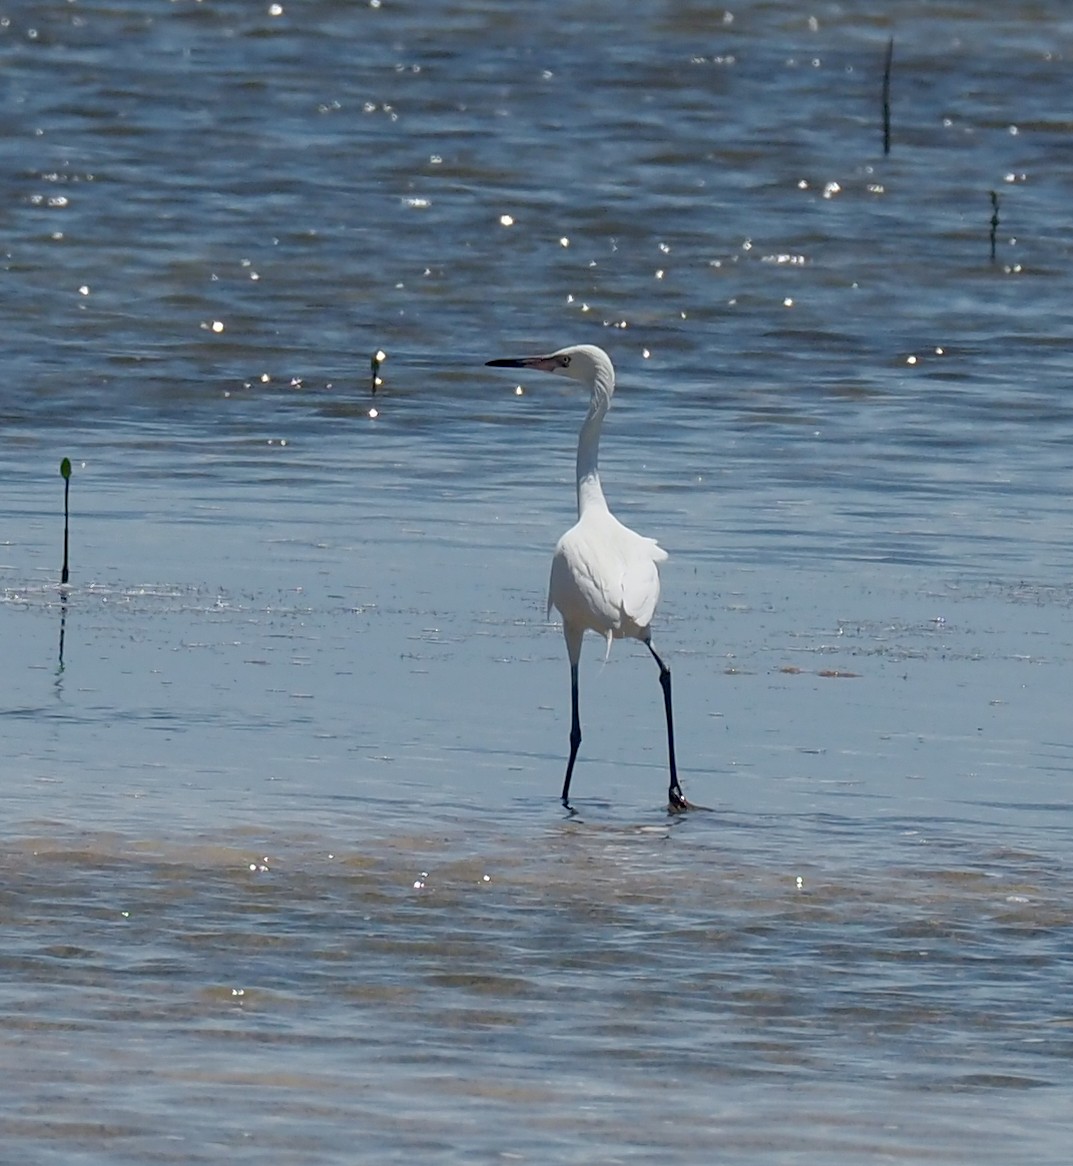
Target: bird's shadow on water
<point>574,807</point>
<point>604,813</point>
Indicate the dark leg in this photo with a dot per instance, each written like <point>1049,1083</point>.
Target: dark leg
<point>676,798</point>
<point>575,734</point>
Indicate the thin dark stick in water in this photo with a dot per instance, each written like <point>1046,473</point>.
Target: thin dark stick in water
<point>994,223</point>
<point>378,359</point>
<point>65,470</point>
<point>63,629</point>
<point>887,65</point>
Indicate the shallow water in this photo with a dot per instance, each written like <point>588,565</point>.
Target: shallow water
<point>608,990</point>
<point>282,869</point>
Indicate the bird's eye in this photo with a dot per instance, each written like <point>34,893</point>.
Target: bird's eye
<point>564,361</point>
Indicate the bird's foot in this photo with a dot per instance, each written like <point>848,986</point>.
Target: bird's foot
<point>676,801</point>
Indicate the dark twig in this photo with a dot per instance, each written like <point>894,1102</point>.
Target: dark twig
<point>994,223</point>
<point>379,356</point>
<point>887,65</point>
<point>65,470</point>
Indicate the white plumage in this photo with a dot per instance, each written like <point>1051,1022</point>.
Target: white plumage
<point>604,576</point>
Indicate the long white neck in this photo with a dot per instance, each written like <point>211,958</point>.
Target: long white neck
<point>589,493</point>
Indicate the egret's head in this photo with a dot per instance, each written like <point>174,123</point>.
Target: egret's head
<point>581,362</point>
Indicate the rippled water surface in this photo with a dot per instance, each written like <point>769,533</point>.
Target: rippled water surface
<point>283,873</point>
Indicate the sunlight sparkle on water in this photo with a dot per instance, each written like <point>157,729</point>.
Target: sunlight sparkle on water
<point>343,647</point>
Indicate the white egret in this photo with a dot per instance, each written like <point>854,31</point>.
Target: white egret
<point>604,576</point>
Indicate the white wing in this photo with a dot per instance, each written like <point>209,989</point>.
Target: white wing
<point>604,577</point>
<point>640,584</point>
